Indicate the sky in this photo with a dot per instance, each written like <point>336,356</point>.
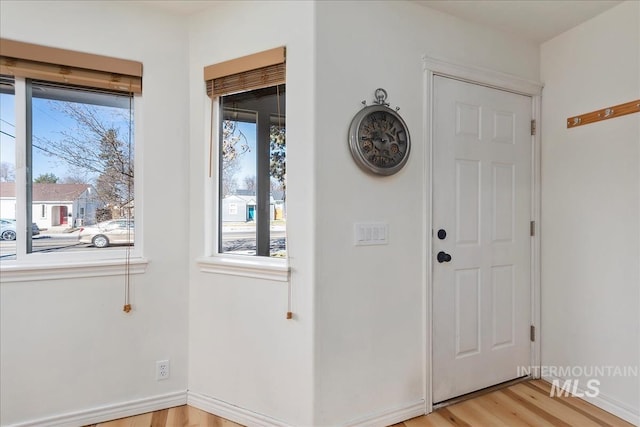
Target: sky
<point>248,159</point>
<point>49,121</point>
<point>7,129</point>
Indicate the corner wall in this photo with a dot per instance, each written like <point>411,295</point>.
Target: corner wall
<point>66,345</point>
<point>591,205</point>
<point>244,355</point>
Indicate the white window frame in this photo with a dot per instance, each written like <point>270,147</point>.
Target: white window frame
<point>62,265</point>
<point>257,267</point>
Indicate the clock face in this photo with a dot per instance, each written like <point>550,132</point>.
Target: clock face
<point>379,140</point>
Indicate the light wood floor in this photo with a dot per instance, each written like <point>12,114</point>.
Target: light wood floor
<point>180,416</point>
<point>524,404</point>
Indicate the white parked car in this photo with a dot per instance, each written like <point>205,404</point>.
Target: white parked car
<point>8,229</point>
<point>103,234</point>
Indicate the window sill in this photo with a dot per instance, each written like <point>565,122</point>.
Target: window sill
<point>256,267</point>
<point>70,270</point>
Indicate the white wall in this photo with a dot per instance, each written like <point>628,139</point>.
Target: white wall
<point>66,345</point>
<point>591,204</point>
<point>369,350</point>
<point>242,349</point>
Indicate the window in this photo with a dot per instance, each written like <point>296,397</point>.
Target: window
<point>250,93</point>
<point>253,172</point>
<point>79,158</point>
<point>76,136</point>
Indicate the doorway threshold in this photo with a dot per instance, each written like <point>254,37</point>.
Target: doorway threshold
<point>480,392</point>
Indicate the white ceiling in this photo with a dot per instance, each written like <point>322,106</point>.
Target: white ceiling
<point>533,20</point>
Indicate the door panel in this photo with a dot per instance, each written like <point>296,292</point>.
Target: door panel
<point>467,311</point>
<point>482,198</point>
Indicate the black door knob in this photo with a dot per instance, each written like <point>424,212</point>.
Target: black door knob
<point>442,234</point>
<point>443,257</point>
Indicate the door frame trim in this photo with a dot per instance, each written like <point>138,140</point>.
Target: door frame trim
<point>433,66</point>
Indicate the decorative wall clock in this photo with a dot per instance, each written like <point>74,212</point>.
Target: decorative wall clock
<point>379,138</point>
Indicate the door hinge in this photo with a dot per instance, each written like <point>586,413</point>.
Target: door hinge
<point>533,127</point>
<point>532,228</point>
<point>532,333</point>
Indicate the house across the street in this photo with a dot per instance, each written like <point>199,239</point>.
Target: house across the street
<point>54,204</point>
<point>238,207</point>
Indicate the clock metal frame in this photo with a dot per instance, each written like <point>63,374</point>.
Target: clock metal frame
<point>355,136</point>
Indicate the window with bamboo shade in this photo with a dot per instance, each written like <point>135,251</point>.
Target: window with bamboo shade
<point>249,94</point>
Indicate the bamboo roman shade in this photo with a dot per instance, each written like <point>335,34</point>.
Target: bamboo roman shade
<point>250,72</point>
<point>65,66</point>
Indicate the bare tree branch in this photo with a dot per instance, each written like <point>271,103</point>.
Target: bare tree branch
<point>95,146</point>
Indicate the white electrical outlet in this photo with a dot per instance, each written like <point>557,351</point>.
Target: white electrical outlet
<point>162,370</point>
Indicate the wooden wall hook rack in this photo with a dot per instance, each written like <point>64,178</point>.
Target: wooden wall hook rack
<point>604,114</point>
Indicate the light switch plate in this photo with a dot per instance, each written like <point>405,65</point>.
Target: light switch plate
<point>371,233</point>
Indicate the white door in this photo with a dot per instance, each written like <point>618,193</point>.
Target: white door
<point>481,268</point>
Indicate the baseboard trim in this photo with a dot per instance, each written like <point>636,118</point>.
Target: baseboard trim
<point>604,402</point>
<point>110,412</point>
<point>390,416</point>
<point>231,412</point>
